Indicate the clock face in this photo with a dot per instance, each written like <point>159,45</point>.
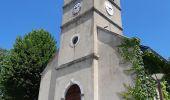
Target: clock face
<point>76,9</point>
<point>109,8</point>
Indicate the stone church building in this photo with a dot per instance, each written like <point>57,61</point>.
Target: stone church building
<point>87,65</point>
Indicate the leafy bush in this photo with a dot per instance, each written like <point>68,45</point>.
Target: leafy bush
<point>20,76</point>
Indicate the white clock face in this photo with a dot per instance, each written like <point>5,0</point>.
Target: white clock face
<point>109,8</point>
<point>76,9</point>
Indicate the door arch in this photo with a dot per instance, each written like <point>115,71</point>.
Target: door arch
<point>73,93</point>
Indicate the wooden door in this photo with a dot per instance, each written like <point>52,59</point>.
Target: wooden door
<point>73,93</point>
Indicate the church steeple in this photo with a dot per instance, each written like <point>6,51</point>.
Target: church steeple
<point>81,18</point>
<point>108,10</point>
<point>88,66</point>
<point>108,13</point>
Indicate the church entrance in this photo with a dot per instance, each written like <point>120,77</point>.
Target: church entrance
<point>73,93</point>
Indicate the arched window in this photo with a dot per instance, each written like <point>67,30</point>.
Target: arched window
<point>73,93</point>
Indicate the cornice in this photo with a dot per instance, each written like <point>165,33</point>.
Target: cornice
<point>85,13</point>
<point>90,56</point>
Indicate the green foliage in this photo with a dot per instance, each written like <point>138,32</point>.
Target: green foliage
<point>154,63</point>
<point>20,77</point>
<point>3,54</point>
<point>167,79</point>
<point>166,94</point>
<point>144,87</point>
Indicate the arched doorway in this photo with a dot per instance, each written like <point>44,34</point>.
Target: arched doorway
<point>73,93</point>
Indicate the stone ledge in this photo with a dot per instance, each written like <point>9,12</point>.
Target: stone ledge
<point>76,18</point>
<point>67,4</point>
<point>93,56</point>
<point>109,20</point>
<point>113,33</point>
<point>115,5</point>
<point>85,13</point>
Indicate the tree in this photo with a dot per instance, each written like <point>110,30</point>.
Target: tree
<point>167,77</point>
<point>3,53</point>
<point>28,58</point>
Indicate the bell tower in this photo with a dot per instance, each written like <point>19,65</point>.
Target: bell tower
<point>88,65</point>
<point>81,18</point>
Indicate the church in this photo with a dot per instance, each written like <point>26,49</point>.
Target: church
<point>87,65</point>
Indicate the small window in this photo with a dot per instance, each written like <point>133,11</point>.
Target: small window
<point>74,40</point>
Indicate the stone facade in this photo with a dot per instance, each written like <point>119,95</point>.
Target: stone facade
<point>88,54</point>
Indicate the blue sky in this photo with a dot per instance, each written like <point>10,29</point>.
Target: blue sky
<point>146,19</point>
